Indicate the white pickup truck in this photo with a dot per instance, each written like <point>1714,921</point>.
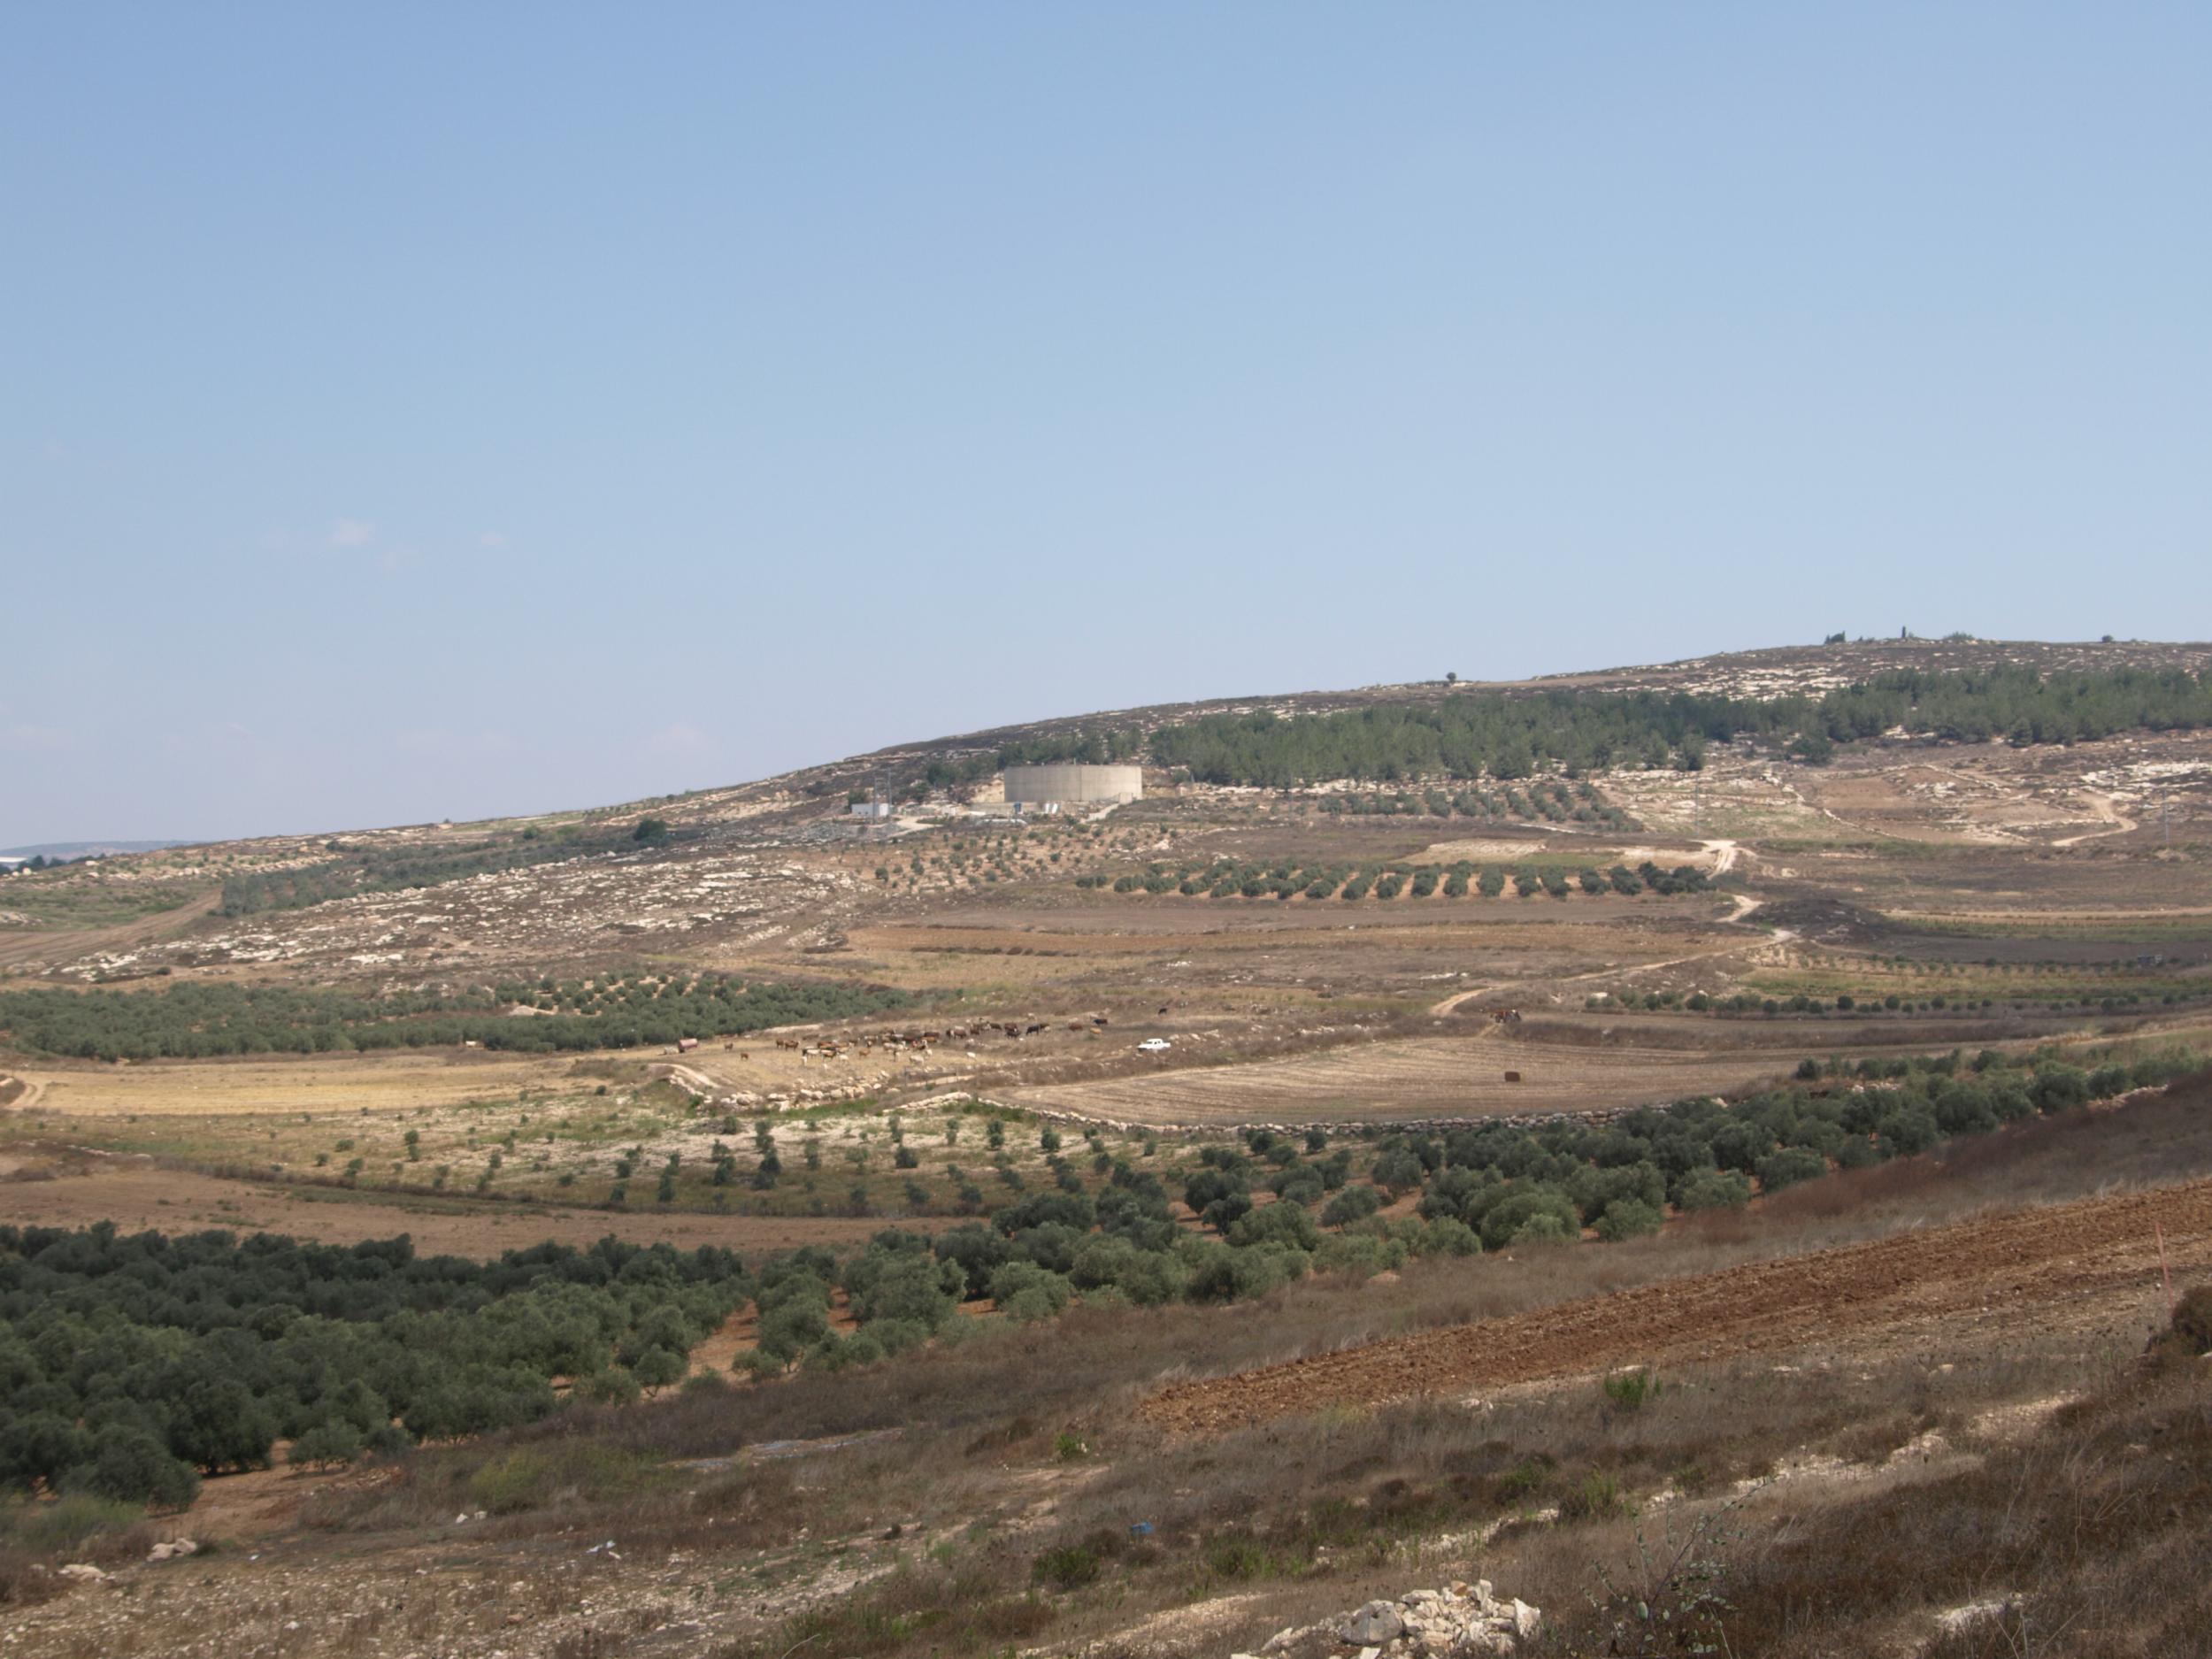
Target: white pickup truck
<point>1155,1045</point>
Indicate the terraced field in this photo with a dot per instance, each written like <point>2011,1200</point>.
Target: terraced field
<point>1418,1078</point>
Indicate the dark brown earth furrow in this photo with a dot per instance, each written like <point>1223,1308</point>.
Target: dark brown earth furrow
<point>2015,1260</point>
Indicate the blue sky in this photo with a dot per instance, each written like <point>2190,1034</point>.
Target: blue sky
<point>414,410</point>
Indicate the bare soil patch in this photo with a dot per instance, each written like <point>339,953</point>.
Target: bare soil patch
<point>1422,1077</point>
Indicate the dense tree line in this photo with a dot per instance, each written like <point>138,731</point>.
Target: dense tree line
<point>197,1021</point>
<point>402,869</point>
<point>1521,1186</point>
<point>1505,736</point>
<point>1090,746</point>
<point>131,1365</point>
<point>2019,705</point>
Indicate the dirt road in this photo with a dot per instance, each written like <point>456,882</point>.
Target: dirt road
<point>2003,1267</point>
<point>1532,988</point>
<point>2105,807</point>
<point>47,946</point>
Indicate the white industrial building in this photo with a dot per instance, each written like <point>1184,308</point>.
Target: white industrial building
<point>1072,785</point>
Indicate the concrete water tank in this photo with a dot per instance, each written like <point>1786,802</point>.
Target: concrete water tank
<point>1070,784</point>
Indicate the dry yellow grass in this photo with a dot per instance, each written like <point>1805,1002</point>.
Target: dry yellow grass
<point>318,1083</point>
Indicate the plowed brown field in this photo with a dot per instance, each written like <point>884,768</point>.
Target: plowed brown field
<point>2010,1263</point>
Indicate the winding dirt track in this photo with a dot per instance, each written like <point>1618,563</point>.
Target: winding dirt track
<point>2011,1262</point>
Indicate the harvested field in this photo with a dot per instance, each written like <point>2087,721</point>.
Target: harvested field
<point>290,1084</point>
<point>137,1197</point>
<point>1418,1078</point>
<point>1971,1272</point>
<point>411,1080</point>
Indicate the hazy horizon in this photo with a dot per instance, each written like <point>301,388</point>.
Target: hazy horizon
<point>512,410</point>
<point>148,842</point>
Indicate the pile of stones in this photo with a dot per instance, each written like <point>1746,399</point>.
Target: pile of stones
<point>1456,1622</point>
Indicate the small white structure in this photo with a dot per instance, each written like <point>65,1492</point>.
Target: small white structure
<point>869,809</point>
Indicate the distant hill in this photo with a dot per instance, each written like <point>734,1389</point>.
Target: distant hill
<point>80,850</point>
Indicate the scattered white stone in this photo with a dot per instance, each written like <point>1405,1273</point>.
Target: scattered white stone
<point>1457,1622</point>
<point>1951,1621</point>
<point>1376,1623</point>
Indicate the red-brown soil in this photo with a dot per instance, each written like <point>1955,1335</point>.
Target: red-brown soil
<point>2007,1266</point>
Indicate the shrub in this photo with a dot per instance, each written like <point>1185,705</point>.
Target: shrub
<point>131,1466</point>
<point>1399,1169</point>
<point>658,1367</point>
<point>1789,1166</point>
<point>1255,1271</point>
<point>1627,1218</point>
<point>1280,1222</point>
<point>1630,1389</point>
<point>1598,1498</point>
<point>1353,1203</point>
<point>1532,1216</point>
<point>834,1354</point>
<point>1025,1292</point>
<point>909,1284</point>
<point>70,1523</point>
<point>563,1472</point>
<point>1549,1228</point>
<point>1719,1189</point>
<point>1445,1237</point>
<point>2188,1334</point>
<point>329,1442</point>
<point>1236,1556</point>
<point>1524,1479</point>
<point>610,1386</point>
<point>1358,1253</point>
<point>39,1445</point>
<point>1069,1567</point>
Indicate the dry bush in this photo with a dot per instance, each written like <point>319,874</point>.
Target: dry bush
<point>2095,1535</point>
<point>25,1579</point>
<point>909,1611</point>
